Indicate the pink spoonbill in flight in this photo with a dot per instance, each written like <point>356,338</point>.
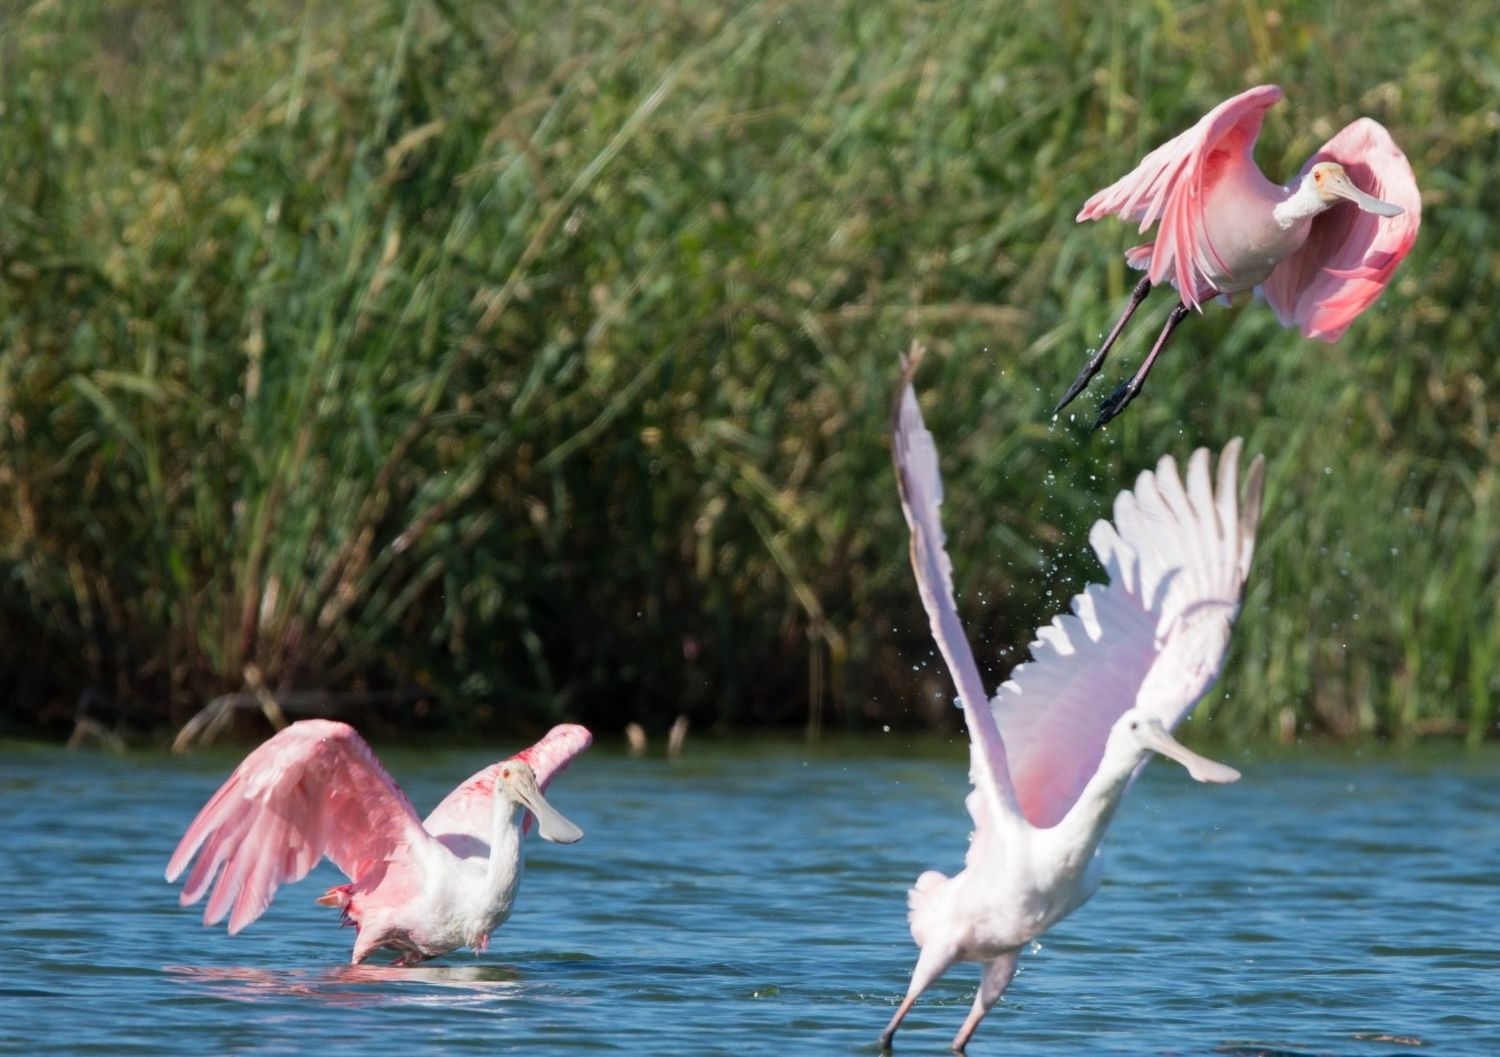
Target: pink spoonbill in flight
<point>1053,752</point>
<point>420,888</point>
<point>1321,249</point>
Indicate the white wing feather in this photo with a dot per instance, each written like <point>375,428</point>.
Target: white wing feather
<point>921,487</point>
<point>1153,637</point>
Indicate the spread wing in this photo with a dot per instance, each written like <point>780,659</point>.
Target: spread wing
<point>462,820</point>
<point>1349,255</point>
<point>314,789</point>
<point>921,487</point>
<point>1153,637</point>
<point>1170,186</point>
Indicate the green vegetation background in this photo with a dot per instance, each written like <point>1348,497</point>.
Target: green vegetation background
<point>538,355</point>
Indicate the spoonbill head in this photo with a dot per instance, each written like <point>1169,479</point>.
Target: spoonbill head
<point>418,887</point>
<point>516,786</point>
<point>1137,734</point>
<point>1330,183</point>
<point>1054,751</point>
<point>1321,248</point>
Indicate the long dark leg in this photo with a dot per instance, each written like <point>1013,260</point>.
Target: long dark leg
<point>1121,397</point>
<point>1096,361</point>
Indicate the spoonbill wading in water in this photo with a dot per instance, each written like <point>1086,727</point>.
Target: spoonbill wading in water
<point>420,888</point>
<point>1055,749</point>
<point>1320,249</point>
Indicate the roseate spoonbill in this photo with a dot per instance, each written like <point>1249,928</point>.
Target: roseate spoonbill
<point>1053,752</point>
<point>1224,228</point>
<point>421,888</point>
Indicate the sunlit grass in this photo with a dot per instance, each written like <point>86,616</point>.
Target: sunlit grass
<point>542,356</point>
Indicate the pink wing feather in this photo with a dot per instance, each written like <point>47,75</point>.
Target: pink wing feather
<point>464,815</point>
<point>1349,255</point>
<point>314,789</point>
<point>920,484</point>
<point>1154,637</point>
<point>1171,185</point>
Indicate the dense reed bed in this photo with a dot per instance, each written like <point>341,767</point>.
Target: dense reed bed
<point>534,360</point>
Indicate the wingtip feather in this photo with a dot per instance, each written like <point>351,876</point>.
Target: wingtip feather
<point>1250,506</point>
<point>907,363</point>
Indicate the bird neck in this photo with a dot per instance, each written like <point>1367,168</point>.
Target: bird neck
<point>505,842</point>
<point>1299,207</point>
<point>1082,828</point>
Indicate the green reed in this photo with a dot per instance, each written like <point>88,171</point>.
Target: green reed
<point>540,356</point>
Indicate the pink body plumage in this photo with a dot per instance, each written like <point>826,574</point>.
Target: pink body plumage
<point>1321,249</point>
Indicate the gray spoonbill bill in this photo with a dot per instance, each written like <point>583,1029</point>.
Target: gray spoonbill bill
<point>1321,249</point>
<point>1053,752</point>
<point>420,888</point>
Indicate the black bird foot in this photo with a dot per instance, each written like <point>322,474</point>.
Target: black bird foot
<point>1120,399</point>
<point>1096,358</point>
<point>1084,377</point>
<point>1116,402</point>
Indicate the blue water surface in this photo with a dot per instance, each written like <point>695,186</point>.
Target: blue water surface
<point>750,899</point>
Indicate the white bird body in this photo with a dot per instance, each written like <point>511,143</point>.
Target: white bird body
<point>468,890</point>
<point>1020,880</point>
<point>1008,900</point>
<point>1054,751</point>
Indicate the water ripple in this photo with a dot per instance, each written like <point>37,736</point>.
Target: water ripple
<point>752,901</point>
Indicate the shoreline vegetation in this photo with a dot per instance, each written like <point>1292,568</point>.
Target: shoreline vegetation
<point>500,365</point>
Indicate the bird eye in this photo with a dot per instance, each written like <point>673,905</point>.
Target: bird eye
<point>505,773</point>
<point>1318,175</point>
<point>1135,725</point>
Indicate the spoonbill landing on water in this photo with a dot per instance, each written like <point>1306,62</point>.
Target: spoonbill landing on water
<point>421,888</point>
<point>1224,228</point>
<point>1054,751</point>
